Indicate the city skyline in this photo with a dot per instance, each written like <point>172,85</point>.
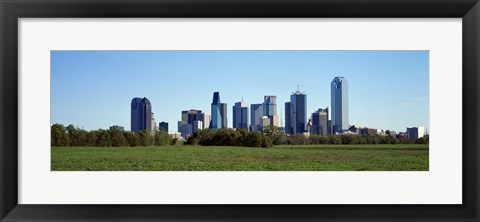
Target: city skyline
<point>402,99</point>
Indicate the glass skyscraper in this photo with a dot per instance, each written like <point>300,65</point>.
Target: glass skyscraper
<point>219,113</point>
<point>240,115</point>
<point>270,109</point>
<point>141,115</point>
<point>339,93</point>
<point>256,113</point>
<point>296,113</point>
<point>288,121</point>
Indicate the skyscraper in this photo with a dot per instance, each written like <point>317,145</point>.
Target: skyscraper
<point>288,121</point>
<point>256,117</point>
<point>140,115</point>
<point>240,115</point>
<point>223,112</point>
<point>320,122</point>
<point>189,116</point>
<point>296,113</point>
<point>339,99</point>
<point>192,118</point>
<point>219,113</point>
<point>270,109</point>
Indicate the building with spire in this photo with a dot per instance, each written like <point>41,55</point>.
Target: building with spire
<point>240,115</point>
<point>296,113</point>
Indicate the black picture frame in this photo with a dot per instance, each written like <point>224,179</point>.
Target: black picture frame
<point>12,10</point>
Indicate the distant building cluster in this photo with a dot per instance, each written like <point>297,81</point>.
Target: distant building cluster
<point>261,115</point>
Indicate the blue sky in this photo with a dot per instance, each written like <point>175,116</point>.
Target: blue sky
<point>93,89</point>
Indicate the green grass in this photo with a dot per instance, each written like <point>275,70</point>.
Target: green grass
<point>278,158</point>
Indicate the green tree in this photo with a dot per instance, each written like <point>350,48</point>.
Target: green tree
<point>146,138</point>
<point>162,138</point>
<point>59,136</point>
<point>118,139</point>
<point>104,139</point>
<point>82,138</point>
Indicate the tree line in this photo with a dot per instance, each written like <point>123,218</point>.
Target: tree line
<point>73,136</point>
<point>272,135</point>
<point>269,136</point>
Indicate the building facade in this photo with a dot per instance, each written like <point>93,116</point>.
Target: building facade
<point>288,122</point>
<point>197,125</point>
<point>205,118</point>
<point>163,126</point>
<point>219,113</point>
<point>240,115</point>
<point>270,109</point>
<point>223,112</point>
<point>256,113</point>
<point>140,115</point>
<point>296,117</point>
<point>415,132</point>
<point>339,100</point>
<point>186,130</point>
<point>320,122</point>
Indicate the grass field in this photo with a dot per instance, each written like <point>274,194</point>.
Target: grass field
<point>278,158</point>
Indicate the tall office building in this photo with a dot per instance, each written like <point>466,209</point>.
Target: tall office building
<point>189,116</point>
<point>205,118</point>
<point>163,126</point>
<point>240,115</point>
<point>256,113</point>
<point>270,109</point>
<point>320,122</point>
<point>219,113</point>
<point>223,112</point>
<point>288,122</point>
<point>140,115</point>
<point>297,113</point>
<point>339,99</point>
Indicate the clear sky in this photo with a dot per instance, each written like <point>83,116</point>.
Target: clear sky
<point>93,89</point>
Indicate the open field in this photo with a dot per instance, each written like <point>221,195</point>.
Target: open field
<point>278,158</point>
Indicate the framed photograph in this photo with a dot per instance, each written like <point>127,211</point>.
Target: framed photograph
<point>226,110</point>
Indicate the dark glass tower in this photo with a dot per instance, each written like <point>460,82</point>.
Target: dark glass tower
<point>288,121</point>
<point>141,115</point>
<point>256,117</point>
<point>339,93</point>
<point>240,115</point>
<point>163,126</point>
<point>296,113</point>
